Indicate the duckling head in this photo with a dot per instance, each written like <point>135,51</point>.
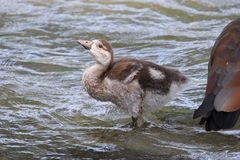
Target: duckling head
<point>101,50</point>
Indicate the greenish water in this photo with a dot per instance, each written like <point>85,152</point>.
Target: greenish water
<point>45,112</point>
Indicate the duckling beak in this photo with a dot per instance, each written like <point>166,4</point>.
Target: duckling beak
<point>85,43</point>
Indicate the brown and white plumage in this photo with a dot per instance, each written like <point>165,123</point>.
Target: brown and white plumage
<point>221,106</point>
<point>138,86</point>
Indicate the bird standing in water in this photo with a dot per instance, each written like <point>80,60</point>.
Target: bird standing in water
<point>135,85</point>
<point>221,106</point>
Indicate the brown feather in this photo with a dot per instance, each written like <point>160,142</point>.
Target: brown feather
<point>232,104</point>
<point>225,62</point>
<point>221,105</point>
<point>121,69</point>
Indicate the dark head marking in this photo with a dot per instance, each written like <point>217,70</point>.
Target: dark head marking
<point>106,46</point>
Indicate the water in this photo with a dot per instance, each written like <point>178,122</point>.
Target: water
<point>45,112</point>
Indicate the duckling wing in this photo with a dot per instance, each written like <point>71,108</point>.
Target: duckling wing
<point>159,79</point>
<point>222,96</point>
<point>150,76</point>
<point>125,70</point>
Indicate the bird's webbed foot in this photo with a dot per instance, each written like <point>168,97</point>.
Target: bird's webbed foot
<point>137,122</point>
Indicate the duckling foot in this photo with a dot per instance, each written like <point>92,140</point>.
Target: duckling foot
<point>137,122</point>
<point>134,124</point>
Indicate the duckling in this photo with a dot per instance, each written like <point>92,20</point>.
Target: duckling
<point>137,86</point>
<point>220,108</point>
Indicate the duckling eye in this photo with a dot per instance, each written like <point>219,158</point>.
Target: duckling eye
<point>100,46</point>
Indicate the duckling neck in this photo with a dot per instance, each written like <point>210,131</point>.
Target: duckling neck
<point>95,72</point>
<point>92,80</point>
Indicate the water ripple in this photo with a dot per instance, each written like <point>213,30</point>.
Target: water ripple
<point>45,112</point>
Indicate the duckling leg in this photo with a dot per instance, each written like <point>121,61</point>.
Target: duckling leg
<point>137,122</point>
<point>137,118</point>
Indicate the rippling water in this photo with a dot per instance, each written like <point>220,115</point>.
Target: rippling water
<point>44,111</point>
